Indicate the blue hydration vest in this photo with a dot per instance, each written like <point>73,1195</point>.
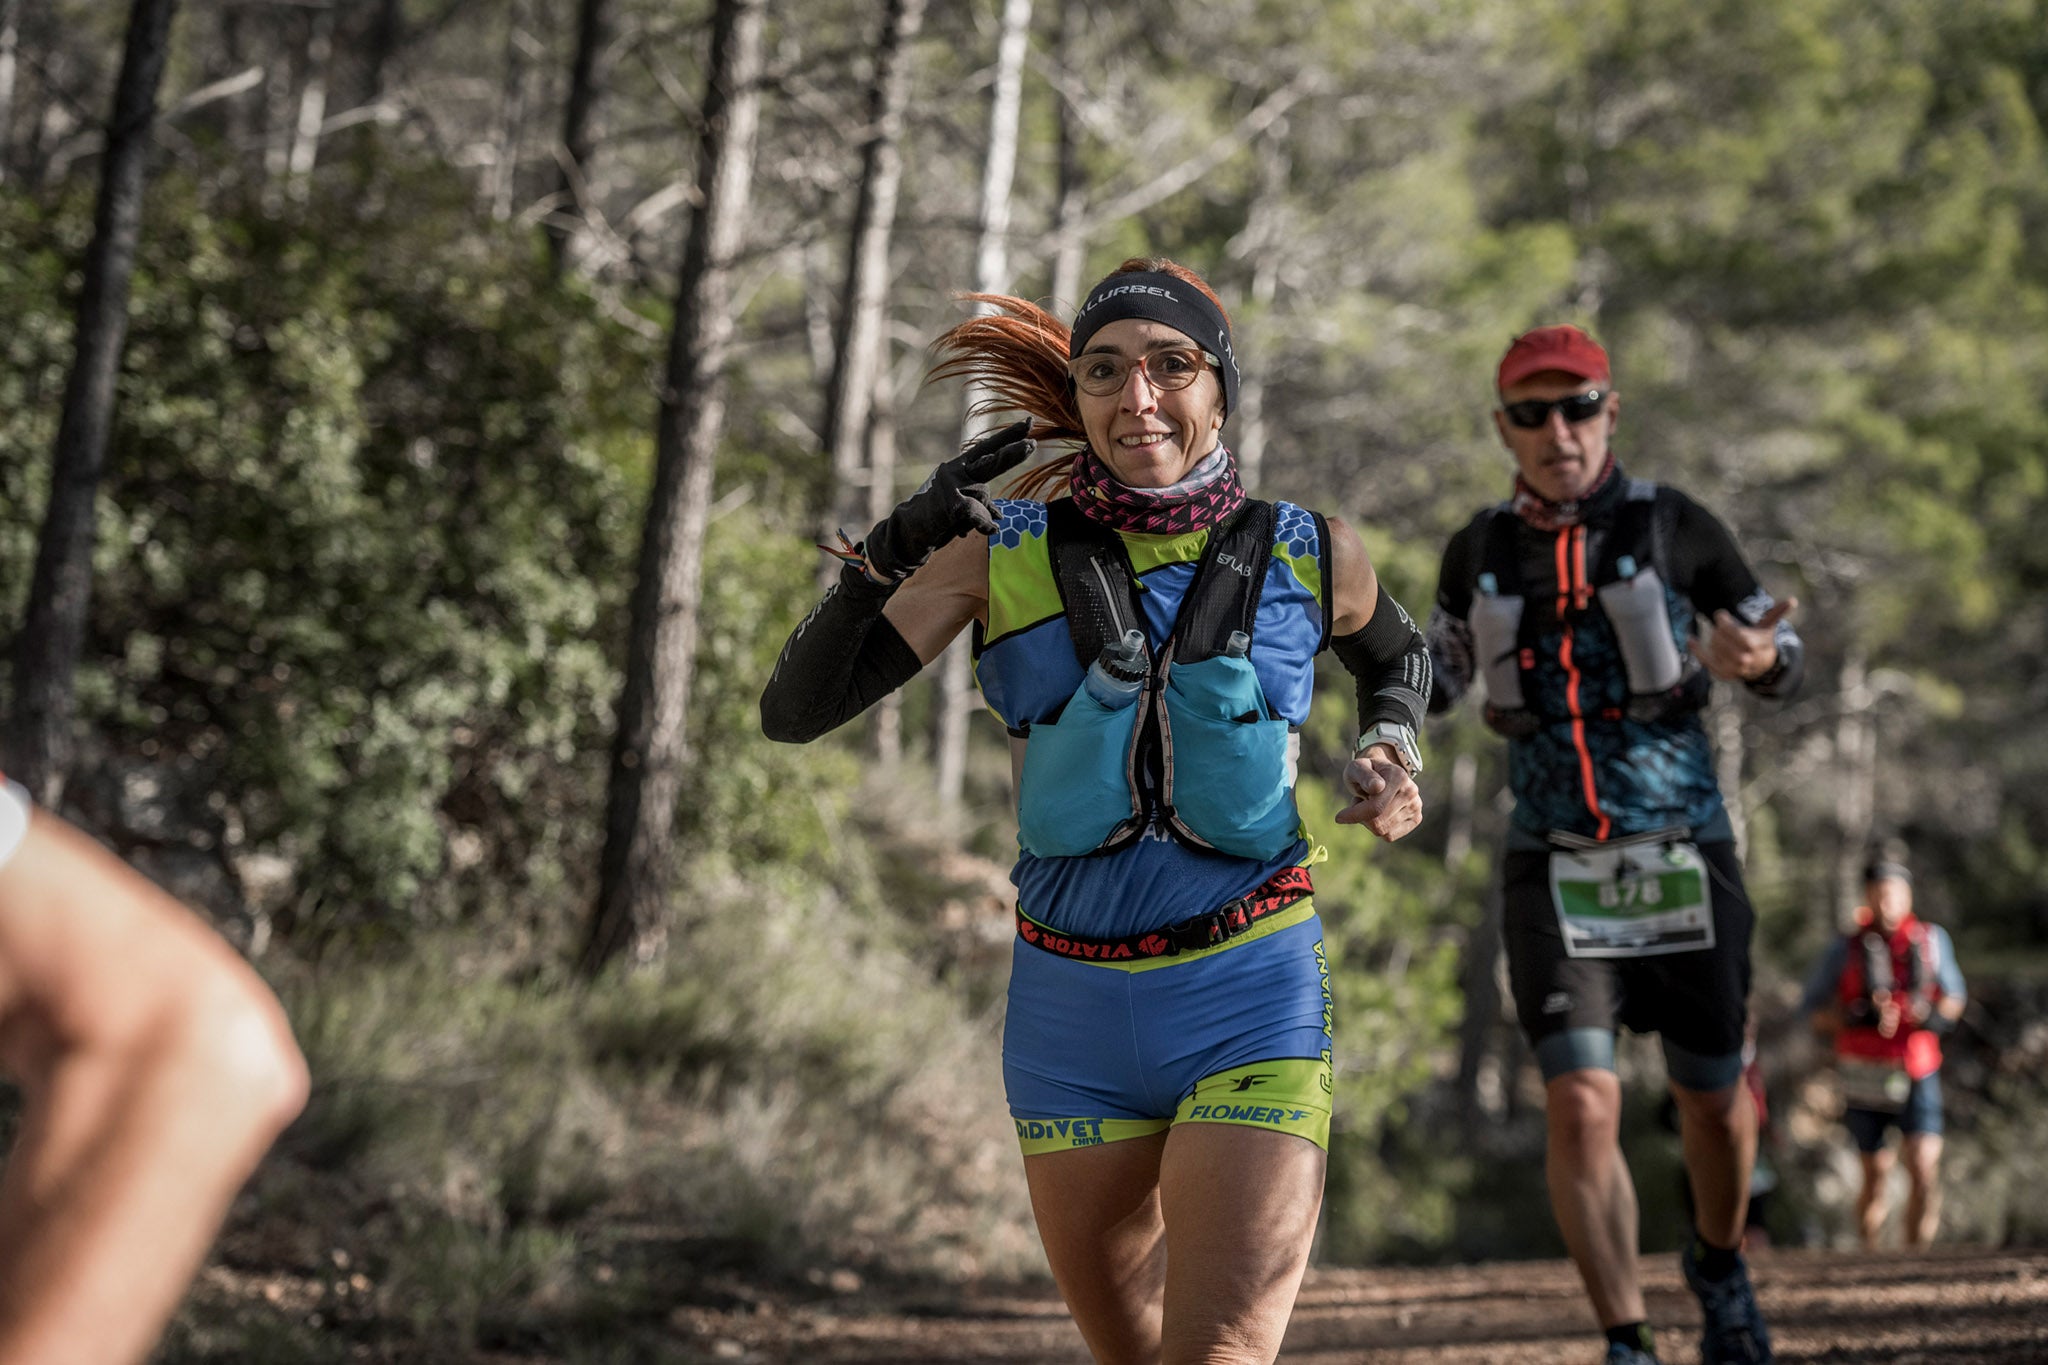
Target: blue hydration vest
<point>1207,752</point>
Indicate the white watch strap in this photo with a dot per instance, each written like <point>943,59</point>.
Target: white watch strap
<point>1395,736</point>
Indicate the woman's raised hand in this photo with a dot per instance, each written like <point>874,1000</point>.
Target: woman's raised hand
<point>949,504</point>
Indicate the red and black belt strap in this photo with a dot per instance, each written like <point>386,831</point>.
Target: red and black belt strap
<point>1225,922</point>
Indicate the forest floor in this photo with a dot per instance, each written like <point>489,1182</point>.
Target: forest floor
<point>1955,1306</point>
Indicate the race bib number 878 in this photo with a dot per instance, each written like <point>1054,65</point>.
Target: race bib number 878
<point>1632,900</point>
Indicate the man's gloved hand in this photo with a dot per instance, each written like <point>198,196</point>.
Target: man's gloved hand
<point>949,504</point>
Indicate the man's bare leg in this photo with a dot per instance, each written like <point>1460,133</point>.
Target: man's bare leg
<point>1870,1200</point>
<point>1591,1192</point>
<point>1922,1155</point>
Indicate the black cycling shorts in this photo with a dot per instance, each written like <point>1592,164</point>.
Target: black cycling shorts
<point>1696,1000</point>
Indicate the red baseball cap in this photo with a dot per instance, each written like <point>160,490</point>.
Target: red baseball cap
<point>1564,348</point>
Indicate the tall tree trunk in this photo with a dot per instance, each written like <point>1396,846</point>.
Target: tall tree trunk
<point>1477,968</point>
<point>511,123</point>
<point>817,311</point>
<point>1855,781</point>
<point>305,148</point>
<point>857,349</point>
<point>1575,120</point>
<point>237,117</point>
<point>1262,236</point>
<point>10,43</point>
<point>887,731</point>
<point>579,129</point>
<point>1070,239</point>
<point>1724,723</point>
<point>648,750</point>
<point>1483,1089</point>
<point>991,276</point>
<point>1459,819</point>
<point>380,43</point>
<point>60,594</point>
<point>280,115</point>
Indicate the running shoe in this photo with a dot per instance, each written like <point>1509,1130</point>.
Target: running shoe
<point>1619,1354</point>
<point>1734,1331</point>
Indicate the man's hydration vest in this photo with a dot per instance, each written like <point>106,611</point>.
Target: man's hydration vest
<point>1905,964</point>
<point>1202,753</point>
<point>1626,585</point>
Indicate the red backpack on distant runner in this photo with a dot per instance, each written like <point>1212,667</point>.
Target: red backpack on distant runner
<point>1905,963</point>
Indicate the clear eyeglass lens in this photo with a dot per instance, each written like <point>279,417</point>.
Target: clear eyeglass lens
<point>1105,374</point>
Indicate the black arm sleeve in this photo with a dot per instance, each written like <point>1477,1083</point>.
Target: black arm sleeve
<point>843,658</point>
<point>1389,659</point>
<point>1709,569</point>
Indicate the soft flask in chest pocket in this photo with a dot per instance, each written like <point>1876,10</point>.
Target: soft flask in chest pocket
<point>1198,747</point>
<point>1497,639</point>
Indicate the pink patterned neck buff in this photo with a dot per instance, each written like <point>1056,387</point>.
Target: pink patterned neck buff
<point>1545,515</point>
<point>1205,497</point>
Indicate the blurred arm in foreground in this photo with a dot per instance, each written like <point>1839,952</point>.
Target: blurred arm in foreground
<point>155,1068</point>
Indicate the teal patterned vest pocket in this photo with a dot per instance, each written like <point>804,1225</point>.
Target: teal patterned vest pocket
<point>1230,759</point>
<point>1075,795</point>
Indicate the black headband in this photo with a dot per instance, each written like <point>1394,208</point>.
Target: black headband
<point>1882,870</point>
<point>1158,297</point>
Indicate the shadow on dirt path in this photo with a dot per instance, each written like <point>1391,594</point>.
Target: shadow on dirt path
<point>1954,1306</point>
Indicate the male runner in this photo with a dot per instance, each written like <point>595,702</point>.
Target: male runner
<point>1575,605</point>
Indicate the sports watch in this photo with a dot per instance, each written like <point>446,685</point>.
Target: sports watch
<point>1397,737</point>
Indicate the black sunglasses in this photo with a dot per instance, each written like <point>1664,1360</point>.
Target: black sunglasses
<point>1531,413</point>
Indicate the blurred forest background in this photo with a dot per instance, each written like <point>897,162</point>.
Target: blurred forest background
<point>428,303</point>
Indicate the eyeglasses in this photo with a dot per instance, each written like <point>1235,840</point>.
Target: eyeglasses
<point>1101,373</point>
<point>1531,413</point>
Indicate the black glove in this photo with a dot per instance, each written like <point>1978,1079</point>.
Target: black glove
<point>949,504</point>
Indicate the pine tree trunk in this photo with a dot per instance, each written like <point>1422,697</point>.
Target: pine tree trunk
<point>1724,723</point>
<point>1482,1086</point>
<point>817,311</point>
<point>305,147</point>
<point>887,731</point>
<point>858,343</point>
<point>648,750</point>
<point>60,595</point>
<point>1478,967</point>
<point>1070,241</point>
<point>10,44</point>
<point>1855,781</point>
<point>1460,817</point>
<point>380,44</point>
<point>579,129</point>
<point>991,276</point>
<point>280,121</point>
<point>511,123</point>
<point>1263,233</point>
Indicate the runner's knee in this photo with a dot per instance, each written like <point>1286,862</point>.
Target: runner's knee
<point>1922,1157</point>
<point>1722,1113</point>
<point>1584,1108</point>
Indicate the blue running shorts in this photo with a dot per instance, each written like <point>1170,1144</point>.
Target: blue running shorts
<point>1096,1052</point>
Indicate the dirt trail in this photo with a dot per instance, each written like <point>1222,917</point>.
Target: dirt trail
<point>1954,1306</point>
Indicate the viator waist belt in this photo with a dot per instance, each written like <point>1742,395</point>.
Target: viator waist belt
<point>1284,888</point>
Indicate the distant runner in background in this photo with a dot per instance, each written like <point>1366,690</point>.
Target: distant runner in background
<point>1885,992</point>
<point>155,1069</point>
<point>1574,605</point>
